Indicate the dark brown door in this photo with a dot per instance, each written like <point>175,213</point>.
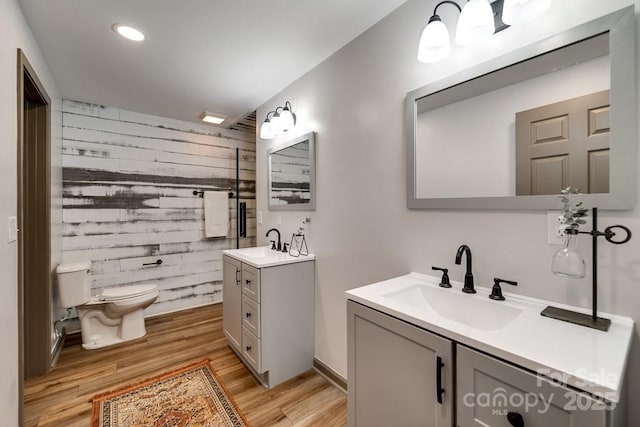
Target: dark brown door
<point>562,145</point>
<point>34,259</point>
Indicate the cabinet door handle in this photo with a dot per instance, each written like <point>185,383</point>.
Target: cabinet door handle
<point>439,389</point>
<point>237,277</point>
<point>515,419</point>
<point>248,315</point>
<point>248,281</point>
<point>248,348</point>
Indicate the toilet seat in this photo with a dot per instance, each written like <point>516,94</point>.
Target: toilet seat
<point>126,292</point>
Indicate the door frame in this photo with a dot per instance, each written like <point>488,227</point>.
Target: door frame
<point>29,83</point>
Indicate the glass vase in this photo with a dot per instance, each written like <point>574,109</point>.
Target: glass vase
<point>567,262</point>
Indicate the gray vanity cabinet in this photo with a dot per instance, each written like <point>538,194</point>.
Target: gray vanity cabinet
<point>488,389</point>
<point>268,317</point>
<point>394,370</point>
<point>232,295</point>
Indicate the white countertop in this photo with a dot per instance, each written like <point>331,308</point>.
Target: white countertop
<point>585,358</point>
<point>264,256</point>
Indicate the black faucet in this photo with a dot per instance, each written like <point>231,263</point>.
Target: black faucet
<point>468,277</point>
<point>273,245</point>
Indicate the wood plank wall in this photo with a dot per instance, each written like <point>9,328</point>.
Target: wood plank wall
<point>128,182</point>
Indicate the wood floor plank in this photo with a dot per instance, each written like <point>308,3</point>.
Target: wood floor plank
<point>62,397</point>
<point>315,403</point>
<point>334,415</point>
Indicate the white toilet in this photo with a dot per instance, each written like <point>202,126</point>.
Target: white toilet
<point>116,315</point>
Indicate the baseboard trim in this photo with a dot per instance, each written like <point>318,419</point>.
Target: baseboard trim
<point>178,310</point>
<point>331,375</point>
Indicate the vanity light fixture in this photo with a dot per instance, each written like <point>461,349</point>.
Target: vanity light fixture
<point>569,269</point>
<point>479,20</point>
<point>213,118</point>
<point>281,120</point>
<point>128,32</point>
<point>476,23</point>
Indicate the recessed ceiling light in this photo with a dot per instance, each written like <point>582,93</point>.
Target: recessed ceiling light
<point>128,32</point>
<point>215,118</point>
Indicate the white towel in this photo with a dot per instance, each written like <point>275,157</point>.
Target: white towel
<point>216,213</point>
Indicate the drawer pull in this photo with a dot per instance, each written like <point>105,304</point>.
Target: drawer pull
<point>515,419</point>
<point>248,348</point>
<point>248,315</point>
<point>439,389</point>
<point>237,276</point>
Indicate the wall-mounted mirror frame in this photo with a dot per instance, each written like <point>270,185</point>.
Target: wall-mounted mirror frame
<point>295,190</point>
<point>622,52</point>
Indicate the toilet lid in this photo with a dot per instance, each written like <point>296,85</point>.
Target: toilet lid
<point>122,292</point>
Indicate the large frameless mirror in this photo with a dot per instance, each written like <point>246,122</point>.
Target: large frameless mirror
<point>292,174</point>
<point>555,114</point>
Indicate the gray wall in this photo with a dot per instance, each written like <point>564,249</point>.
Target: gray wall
<point>362,231</point>
<point>128,182</point>
<point>14,34</point>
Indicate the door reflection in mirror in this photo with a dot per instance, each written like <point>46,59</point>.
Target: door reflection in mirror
<point>472,146</point>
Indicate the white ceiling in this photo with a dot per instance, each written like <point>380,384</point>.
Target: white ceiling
<point>226,56</point>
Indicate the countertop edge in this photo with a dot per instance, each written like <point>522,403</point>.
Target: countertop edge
<point>247,260</point>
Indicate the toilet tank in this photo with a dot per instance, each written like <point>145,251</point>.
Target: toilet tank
<point>74,283</point>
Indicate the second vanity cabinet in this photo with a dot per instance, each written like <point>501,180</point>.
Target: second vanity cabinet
<point>401,374</point>
<point>268,316</point>
<point>398,374</point>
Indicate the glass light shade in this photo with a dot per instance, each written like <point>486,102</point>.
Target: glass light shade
<point>275,124</point>
<point>516,12</point>
<point>476,23</point>
<point>434,43</point>
<point>567,262</point>
<point>265,130</point>
<point>287,121</point>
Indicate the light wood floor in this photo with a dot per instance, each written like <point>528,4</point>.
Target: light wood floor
<point>61,398</point>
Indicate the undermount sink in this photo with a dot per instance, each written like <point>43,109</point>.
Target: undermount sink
<point>259,252</point>
<point>469,310</point>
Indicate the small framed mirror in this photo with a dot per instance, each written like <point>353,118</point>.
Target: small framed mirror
<point>292,174</point>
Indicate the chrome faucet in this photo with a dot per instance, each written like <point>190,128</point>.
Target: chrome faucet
<point>273,243</point>
<point>468,277</point>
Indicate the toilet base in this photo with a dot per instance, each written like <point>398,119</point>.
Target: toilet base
<point>104,325</point>
<point>98,341</point>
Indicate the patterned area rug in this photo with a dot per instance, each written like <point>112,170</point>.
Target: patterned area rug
<point>189,396</point>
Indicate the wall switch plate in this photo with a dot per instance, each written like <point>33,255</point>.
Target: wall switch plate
<point>259,217</point>
<point>554,235</point>
<point>12,229</point>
